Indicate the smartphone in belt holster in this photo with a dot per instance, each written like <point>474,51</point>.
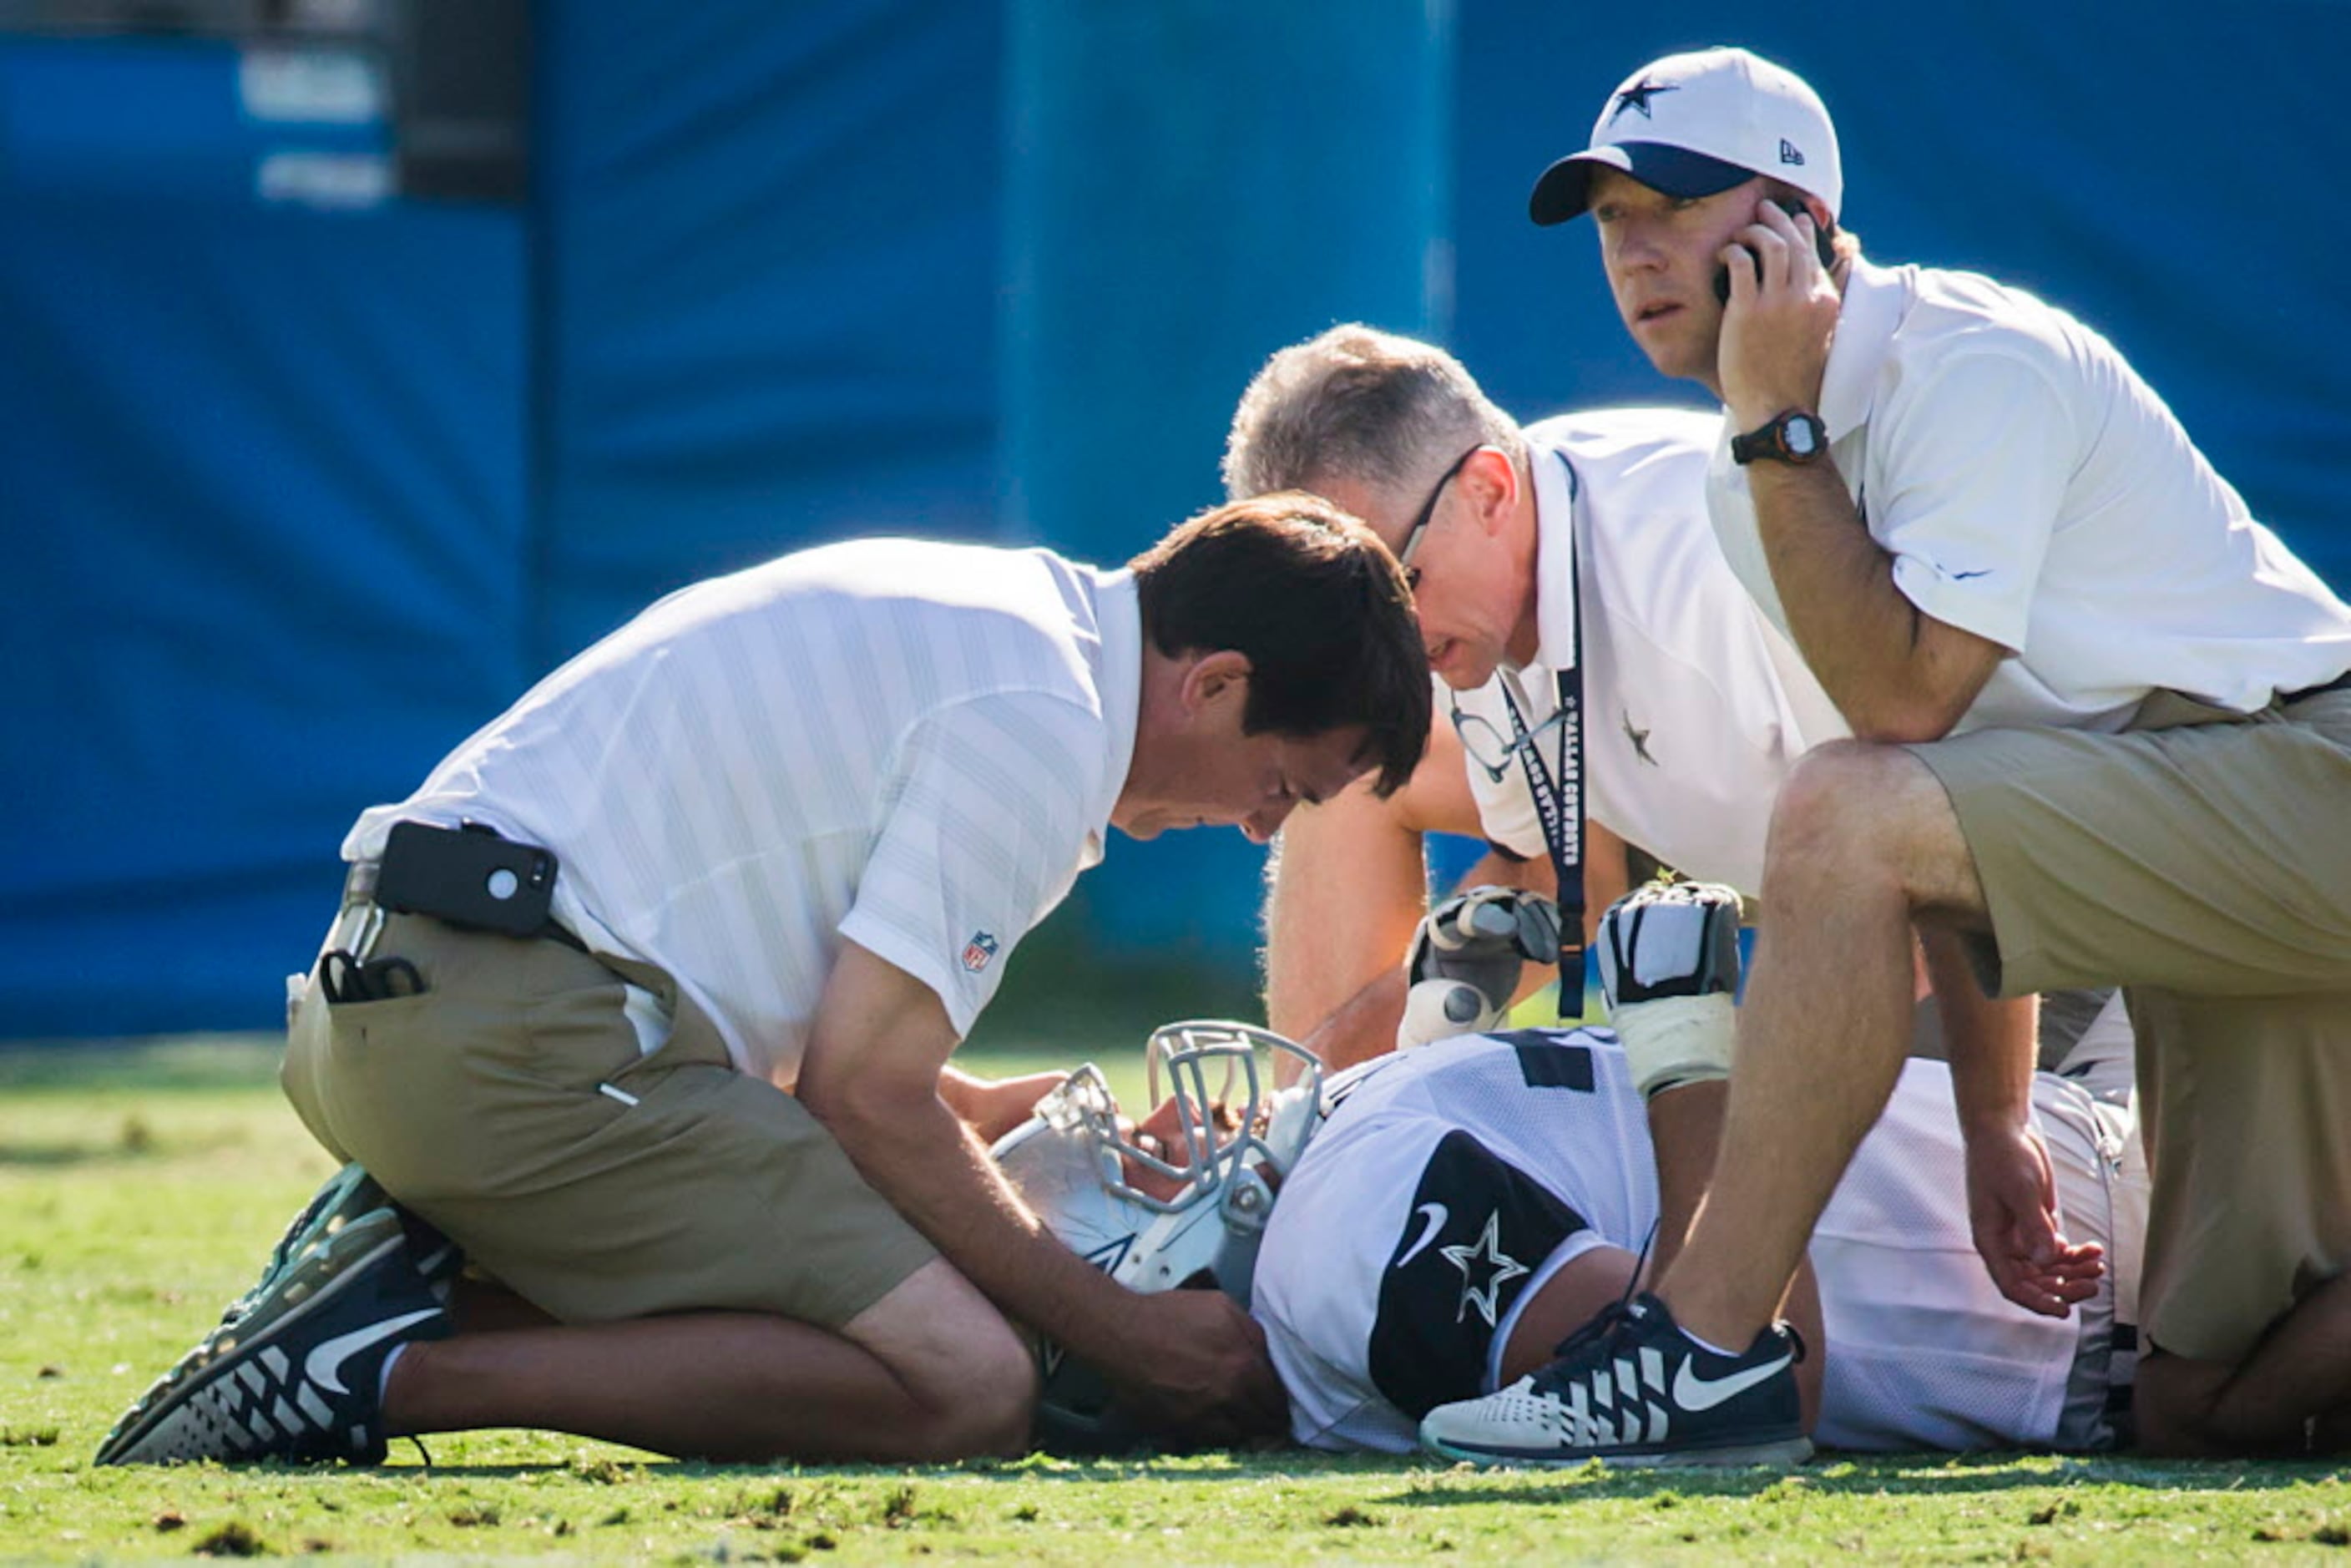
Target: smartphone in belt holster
<point>467,877</point>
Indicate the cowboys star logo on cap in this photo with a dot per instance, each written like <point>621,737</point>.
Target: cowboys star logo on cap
<point>1698,124</point>
<point>1637,96</point>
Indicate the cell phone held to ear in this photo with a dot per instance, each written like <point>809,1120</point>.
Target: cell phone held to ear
<point>1824,242</point>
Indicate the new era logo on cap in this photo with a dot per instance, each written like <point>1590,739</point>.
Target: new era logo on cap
<point>1697,124</point>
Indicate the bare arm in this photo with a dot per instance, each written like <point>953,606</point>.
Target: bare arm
<point>992,1107</point>
<point>1190,1361</point>
<point>2012,1191</point>
<point>1896,673</point>
<point>1349,882</point>
<point>1348,885</point>
<point>1992,1049</point>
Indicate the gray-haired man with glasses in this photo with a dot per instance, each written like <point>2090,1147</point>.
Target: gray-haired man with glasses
<point>1692,707</point>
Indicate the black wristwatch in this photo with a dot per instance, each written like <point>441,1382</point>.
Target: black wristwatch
<point>1792,435</point>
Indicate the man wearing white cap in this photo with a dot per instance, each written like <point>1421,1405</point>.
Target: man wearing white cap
<point>2103,736</point>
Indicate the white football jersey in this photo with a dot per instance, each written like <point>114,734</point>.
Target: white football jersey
<point>1449,1182</point>
<point>1695,705</point>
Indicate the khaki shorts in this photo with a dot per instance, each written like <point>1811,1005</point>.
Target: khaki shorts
<point>2210,858</point>
<point>513,1106</point>
<point>2246,1110</point>
<point>2206,867</point>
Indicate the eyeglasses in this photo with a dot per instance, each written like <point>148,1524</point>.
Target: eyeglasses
<point>1420,519</point>
<point>1492,752</point>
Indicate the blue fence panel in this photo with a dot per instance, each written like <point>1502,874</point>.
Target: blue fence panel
<point>2165,173</point>
<point>768,290</point>
<point>1181,203</point>
<point>293,499</point>
<point>261,495</point>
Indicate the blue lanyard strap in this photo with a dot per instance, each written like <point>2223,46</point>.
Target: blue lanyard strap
<point>1558,791</point>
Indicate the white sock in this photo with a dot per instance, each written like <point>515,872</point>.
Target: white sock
<point>1701,1343</point>
<point>383,1378</point>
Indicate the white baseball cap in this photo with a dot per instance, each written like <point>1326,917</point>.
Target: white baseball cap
<point>1696,124</point>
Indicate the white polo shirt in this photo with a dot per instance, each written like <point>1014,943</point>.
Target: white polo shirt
<point>2034,491</point>
<point>914,747</point>
<point>1695,707</point>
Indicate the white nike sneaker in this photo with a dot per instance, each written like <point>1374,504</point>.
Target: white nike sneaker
<point>295,1376</point>
<point>1630,1388</point>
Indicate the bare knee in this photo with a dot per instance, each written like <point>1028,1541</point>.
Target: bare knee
<point>967,1371</point>
<point>1855,816</point>
<point>1822,819</point>
<point>989,1404</point>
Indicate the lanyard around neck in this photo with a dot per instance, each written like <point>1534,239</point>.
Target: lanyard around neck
<point>1558,789</point>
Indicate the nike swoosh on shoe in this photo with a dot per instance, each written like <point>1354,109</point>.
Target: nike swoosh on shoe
<point>1692,1391</point>
<point>325,1364</point>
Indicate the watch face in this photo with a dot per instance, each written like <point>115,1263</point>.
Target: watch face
<point>1803,437</point>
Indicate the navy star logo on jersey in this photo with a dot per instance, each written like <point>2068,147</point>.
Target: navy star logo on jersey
<point>1638,95</point>
<point>1639,737</point>
<point>1485,1257</point>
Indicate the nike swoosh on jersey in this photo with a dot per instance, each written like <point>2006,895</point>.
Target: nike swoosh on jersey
<point>325,1365</point>
<point>1436,1214</point>
<point>1692,1391</point>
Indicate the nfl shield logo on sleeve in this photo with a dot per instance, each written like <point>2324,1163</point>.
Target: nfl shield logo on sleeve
<point>978,951</point>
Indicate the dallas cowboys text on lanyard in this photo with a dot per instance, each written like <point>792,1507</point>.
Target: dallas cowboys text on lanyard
<point>1558,791</point>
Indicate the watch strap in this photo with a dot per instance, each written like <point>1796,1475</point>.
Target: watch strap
<point>1770,439</point>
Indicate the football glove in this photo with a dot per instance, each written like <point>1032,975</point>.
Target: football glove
<point>1439,1010</point>
<point>1463,965</point>
<point>1669,968</point>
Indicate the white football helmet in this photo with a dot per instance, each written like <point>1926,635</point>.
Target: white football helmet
<point>1185,1216</point>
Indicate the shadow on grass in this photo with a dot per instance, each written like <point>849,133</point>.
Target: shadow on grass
<point>1939,1475</point>
<point>1893,1475</point>
<point>1216,1465</point>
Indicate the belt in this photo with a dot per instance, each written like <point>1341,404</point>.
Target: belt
<point>2341,683</point>
<point>358,887</point>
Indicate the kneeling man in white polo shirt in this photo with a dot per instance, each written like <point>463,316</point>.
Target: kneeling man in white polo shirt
<point>643,1004</point>
<point>2104,736</point>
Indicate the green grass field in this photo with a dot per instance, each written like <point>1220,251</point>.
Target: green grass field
<point>139,1188</point>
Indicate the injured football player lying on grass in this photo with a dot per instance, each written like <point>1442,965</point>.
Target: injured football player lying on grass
<point>1424,1228</point>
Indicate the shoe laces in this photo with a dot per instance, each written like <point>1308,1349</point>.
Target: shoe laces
<point>1588,1344</point>
<point>1617,1317</point>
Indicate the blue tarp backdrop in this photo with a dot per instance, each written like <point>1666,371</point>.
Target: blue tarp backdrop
<point>294,497</point>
